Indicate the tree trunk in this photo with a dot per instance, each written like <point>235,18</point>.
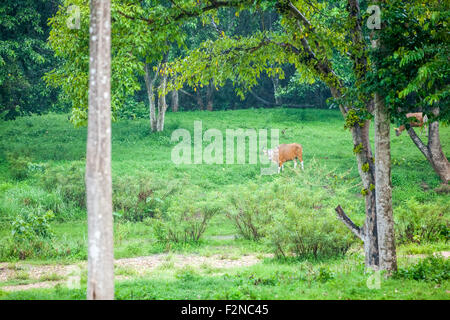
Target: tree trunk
<point>175,101</point>
<point>210,96</point>
<point>275,83</point>
<point>433,150</point>
<point>100,284</point>
<point>149,84</point>
<point>439,162</point>
<point>368,232</point>
<point>198,96</point>
<point>365,158</point>
<point>383,187</point>
<point>162,104</point>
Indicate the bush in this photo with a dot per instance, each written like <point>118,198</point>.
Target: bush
<point>303,228</point>
<point>432,269</point>
<point>30,235</point>
<point>132,110</point>
<point>250,210</point>
<point>68,182</point>
<point>32,225</point>
<point>140,198</point>
<point>18,166</point>
<point>187,218</point>
<point>293,220</point>
<point>422,222</point>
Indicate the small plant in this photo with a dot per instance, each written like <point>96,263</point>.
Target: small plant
<point>28,227</point>
<point>68,181</point>
<point>432,269</point>
<point>422,222</point>
<point>187,218</point>
<point>18,166</point>
<point>250,210</point>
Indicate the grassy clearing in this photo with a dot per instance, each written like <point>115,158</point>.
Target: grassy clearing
<point>41,170</point>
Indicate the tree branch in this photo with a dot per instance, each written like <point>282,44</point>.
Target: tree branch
<point>349,223</point>
<point>418,142</point>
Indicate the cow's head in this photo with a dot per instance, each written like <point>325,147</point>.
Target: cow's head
<point>270,153</point>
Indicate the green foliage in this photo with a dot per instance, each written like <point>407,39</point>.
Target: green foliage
<point>354,117</point>
<point>30,235</point>
<point>18,166</point>
<point>139,198</point>
<point>66,181</point>
<point>134,42</point>
<point>133,110</point>
<point>413,70</point>
<point>303,228</point>
<point>186,218</point>
<point>431,269</point>
<point>292,220</point>
<point>422,222</point>
<point>251,209</point>
<point>32,225</point>
<point>24,57</point>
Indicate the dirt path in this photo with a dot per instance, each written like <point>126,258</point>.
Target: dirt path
<point>22,276</point>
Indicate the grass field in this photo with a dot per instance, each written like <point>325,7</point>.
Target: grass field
<point>42,168</point>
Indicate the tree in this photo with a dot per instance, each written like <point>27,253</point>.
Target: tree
<point>135,43</point>
<point>414,70</point>
<point>310,39</point>
<point>25,57</point>
<point>98,157</point>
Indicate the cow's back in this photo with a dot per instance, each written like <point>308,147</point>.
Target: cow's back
<point>289,151</point>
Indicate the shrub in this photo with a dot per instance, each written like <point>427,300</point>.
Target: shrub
<point>30,235</point>
<point>303,228</point>
<point>293,220</point>
<point>250,210</point>
<point>32,225</point>
<point>132,110</point>
<point>422,222</point>
<point>432,269</point>
<point>187,218</point>
<point>68,182</point>
<point>18,166</point>
<point>140,198</point>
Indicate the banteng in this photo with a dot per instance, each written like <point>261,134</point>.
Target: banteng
<point>419,116</point>
<point>285,152</point>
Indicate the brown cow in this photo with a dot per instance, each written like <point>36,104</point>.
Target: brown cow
<point>286,152</point>
<point>419,116</point>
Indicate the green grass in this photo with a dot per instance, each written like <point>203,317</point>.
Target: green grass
<point>141,160</point>
<point>271,279</point>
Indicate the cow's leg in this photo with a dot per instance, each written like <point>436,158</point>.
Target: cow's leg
<point>279,168</point>
<point>302,165</point>
<point>295,163</point>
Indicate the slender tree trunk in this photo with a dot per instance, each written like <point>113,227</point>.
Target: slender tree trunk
<point>439,162</point>
<point>383,187</point>
<point>149,83</point>
<point>433,150</point>
<point>175,101</point>
<point>210,96</point>
<point>162,104</point>
<point>100,284</point>
<point>198,96</point>
<point>368,232</point>
<point>275,83</point>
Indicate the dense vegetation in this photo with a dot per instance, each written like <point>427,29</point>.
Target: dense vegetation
<point>266,64</point>
<point>160,207</point>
